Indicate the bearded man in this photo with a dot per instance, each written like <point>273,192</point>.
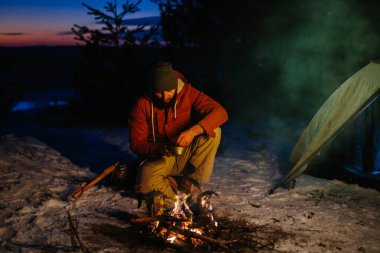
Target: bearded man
<point>174,113</point>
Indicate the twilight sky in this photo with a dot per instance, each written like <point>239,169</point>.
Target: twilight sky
<point>48,22</point>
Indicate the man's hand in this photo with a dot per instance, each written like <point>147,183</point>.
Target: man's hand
<point>186,137</point>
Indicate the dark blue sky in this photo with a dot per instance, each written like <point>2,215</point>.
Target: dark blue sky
<point>47,22</point>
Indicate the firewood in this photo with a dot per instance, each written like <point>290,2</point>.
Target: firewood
<point>218,242</point>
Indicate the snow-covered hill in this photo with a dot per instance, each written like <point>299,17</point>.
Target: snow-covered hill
<point>317,216</point>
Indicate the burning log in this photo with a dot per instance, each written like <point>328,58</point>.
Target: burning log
<point>183,229</point>
<point>203,233</point>
<point>218,242</point>
<point>174,230</point>
<point>178,226</point>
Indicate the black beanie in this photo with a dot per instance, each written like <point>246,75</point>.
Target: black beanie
<point>163,77</point>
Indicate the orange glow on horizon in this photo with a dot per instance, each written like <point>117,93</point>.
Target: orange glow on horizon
<point>38,39</point>
<point>38,23</point>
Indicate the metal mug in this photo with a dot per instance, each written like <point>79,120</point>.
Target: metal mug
<point>177,150</point>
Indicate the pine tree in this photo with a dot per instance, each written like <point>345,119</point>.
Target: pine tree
<point>113,32</point>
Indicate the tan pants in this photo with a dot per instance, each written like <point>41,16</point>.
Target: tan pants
<point>153,174</point>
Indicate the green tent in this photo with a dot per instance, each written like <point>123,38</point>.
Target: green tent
<point>340,109</point>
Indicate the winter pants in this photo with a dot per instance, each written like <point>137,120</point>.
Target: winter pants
<point>153,174</point>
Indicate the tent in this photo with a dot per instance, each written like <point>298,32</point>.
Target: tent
<point>339,110</point>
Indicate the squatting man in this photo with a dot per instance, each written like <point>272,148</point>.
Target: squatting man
<point>174,113</point>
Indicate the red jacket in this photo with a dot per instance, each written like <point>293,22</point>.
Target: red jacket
<point>191,103</point>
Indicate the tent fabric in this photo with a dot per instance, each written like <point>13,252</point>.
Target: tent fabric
<point>347,102</point>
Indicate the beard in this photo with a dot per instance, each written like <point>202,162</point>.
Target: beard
<point>160,103</point>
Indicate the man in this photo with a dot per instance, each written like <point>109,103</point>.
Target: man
<point>174,113</point>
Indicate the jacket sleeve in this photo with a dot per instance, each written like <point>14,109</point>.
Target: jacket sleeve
<point>139,133</point>
<point>212,113</point>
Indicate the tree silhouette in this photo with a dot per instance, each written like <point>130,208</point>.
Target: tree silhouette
<point>113,32</point>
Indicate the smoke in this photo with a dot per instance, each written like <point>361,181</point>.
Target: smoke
<point>314,47</point>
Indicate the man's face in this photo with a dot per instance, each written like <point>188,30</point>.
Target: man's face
<point>165,98</point>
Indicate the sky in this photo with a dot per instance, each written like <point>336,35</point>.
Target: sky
<point>48,22</point>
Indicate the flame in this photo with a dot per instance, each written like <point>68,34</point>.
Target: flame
<point>171,239</point>
<point>155,225</point>
<point>180,206</point>
<point>196,230</point>
<point>183,213</point>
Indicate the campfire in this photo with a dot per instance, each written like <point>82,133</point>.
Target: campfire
<point>182,227</point>
<point>186,229</point>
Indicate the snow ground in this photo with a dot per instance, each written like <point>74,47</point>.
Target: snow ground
<point>317,216</point>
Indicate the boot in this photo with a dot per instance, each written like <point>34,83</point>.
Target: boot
<point>155,203</point>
